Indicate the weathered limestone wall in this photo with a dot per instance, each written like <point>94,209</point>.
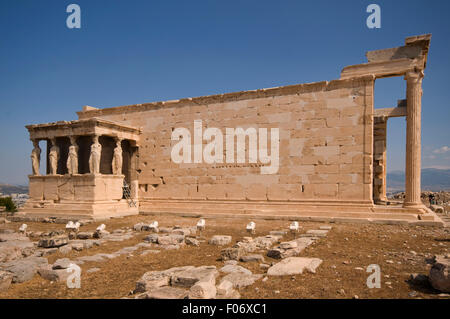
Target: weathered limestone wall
<point>76,188</point>
<point>326,143</point>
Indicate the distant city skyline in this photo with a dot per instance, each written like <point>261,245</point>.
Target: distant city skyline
<point>139,51</point>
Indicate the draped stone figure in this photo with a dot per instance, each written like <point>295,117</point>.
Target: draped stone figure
<point>35,158</point>
<point>117,159</point>
<point>94,158</point>
<point>53,157</point>
<point>72,158</point>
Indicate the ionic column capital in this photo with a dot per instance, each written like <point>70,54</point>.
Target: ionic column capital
<point>414,76</point>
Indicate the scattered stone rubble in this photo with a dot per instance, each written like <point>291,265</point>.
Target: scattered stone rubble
<point>179,283</point>
<point>194,283</point>
<point>21,259</point>
<point>242,250</point>
<point>290,248</point>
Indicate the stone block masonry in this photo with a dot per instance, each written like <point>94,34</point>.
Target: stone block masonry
<point>325,144</point>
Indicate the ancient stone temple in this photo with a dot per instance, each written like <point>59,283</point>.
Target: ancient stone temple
<point>83,178</point>
<point>187,157</point>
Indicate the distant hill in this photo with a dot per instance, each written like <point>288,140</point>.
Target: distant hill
<point>432,180</point>
<point>7,189</point>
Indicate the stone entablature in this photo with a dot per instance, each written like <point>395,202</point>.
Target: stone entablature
<point>94,129</point>
<point>91,126</point>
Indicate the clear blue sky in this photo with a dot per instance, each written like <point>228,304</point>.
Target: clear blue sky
<point>129,52</point>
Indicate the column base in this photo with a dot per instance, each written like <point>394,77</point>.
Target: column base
<point>414,205</point>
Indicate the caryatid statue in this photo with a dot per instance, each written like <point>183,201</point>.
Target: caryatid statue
<point>35,158</point>
<point>53,157</point>
<point>94,158</point>
<point>117,158</point>
<point>72,158</point>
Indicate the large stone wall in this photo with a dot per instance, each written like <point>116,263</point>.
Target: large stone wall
<point>326,144</point>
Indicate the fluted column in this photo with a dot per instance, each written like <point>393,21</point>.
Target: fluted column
<point>413,138</point>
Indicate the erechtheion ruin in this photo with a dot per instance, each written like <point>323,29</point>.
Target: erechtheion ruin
<point>330,138</point>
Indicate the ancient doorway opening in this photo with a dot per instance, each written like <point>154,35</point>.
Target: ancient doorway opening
<point>389,138</point>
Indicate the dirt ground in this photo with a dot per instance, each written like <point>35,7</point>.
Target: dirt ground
<point>398,250</point>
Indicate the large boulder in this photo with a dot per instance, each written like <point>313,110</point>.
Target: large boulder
<point>62,263</point>
<point>203,290</point>
<point>265,242</point>
<point>56,241</point>
<point>171,239</point>
<point>57,275</point>
<point>294,266</point>
<point>15,246</point>
<point>190,277</point>
<point>151,280</point>
<point>231,253</point>
<point>152,238</point>
<point>290,249</point>
<point>220,240</point>
<point>240,279</point>
<point>138,227</point>
<point>85,235</point>
<point>155,279</point>
<point>24,269</point>
<point>235,268</point>
<point>440,274</point>
<point>99,233</point>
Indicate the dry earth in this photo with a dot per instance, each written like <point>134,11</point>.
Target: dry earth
<point>346,252</point>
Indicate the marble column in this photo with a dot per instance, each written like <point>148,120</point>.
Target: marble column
<point>413,139</point>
